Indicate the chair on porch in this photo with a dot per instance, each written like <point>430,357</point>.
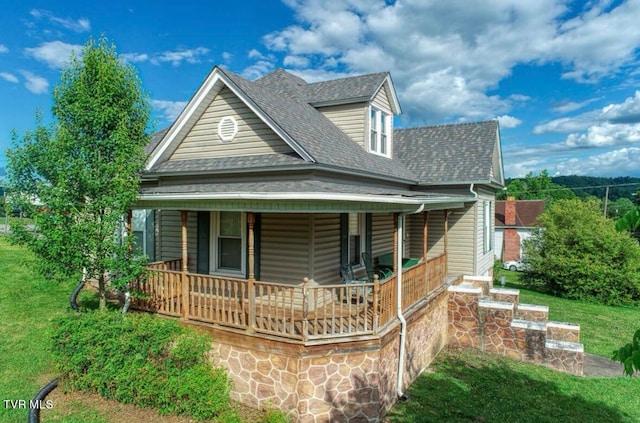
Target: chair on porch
<point>383,273</point>
<point>348,278</point>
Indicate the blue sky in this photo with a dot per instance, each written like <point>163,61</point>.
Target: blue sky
<point>562,77</point>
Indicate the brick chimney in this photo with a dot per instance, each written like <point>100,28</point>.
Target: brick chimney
<point>510,211</point>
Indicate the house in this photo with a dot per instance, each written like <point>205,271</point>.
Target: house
<point>515,221</point>
<point>261,192</point>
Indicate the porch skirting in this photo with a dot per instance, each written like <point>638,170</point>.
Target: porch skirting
<point>351,380</point>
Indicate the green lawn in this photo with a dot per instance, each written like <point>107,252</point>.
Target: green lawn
<point>476,387</point>
<point>27,304</point>
<point>602,328</point>
<point>466,387</point>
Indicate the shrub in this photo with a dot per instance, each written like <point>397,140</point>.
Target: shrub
<point>579,255</point>
<point>629,355</point>
<point>140,359</point>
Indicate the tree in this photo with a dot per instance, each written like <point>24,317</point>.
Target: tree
<point>629,355</point>
<point>578,254</point>
<point>78,177</point>
<point>535,187</point>
<point>630,222</point>
<point>619,207</point>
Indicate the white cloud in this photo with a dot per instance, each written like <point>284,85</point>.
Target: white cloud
<point>54,53</point>
<point>445,57</point>
<point>35,84</point>
<point>9,77</point>
<point>135,57</point>
<point>168,109</point>
<point>568,106</point>
<point>177,57</point>
<point>226,56</point>
<point>3,48</point>
<point>296,61</point>
<point>507,121</point>
<point>612,163</point>
<point>76,25</point>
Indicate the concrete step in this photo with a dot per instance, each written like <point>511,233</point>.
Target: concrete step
<point>505,294</point>
<point>563,332</point>
<point>533,312</point>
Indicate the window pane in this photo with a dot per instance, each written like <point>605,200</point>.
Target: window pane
<point>230,253</point>
<point>354,224</point>
<point>383,144</point>
<point>230,224</point>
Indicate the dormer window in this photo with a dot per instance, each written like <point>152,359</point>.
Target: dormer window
<point>380,131</point>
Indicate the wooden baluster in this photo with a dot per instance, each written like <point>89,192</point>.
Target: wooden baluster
<point>305,310</point>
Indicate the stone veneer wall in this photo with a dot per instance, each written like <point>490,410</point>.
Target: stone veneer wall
<point>354,380</point>
<point>475,321</point>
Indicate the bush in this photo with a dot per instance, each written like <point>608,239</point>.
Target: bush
<point>578,254</point>
<point>629,355</point>
<point>142,360</point>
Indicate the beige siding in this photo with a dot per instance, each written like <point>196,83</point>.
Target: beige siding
<point>381,100</point>
<point>435,236</point>
<point>326,249</point>
<point>350,118</point>
<point>382,237</point>
<point>285,247</point>
<point>254,136</point>
<point>414,234</point>
<point>461,240</point>
<point>169,241</point>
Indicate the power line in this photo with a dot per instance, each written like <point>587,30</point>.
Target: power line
<point>573,188</point>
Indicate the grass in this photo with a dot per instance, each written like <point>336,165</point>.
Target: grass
<point>472,386</point>
<point>461,387</point>
<point>478,387</point>
<point>27,304</point>
<point>603,329</point>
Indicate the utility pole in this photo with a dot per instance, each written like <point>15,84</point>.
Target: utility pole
<point>606,200</point>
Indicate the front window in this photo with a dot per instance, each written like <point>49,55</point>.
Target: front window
<point>229,242</point>
<point>142,226</point>
<point>356,238</point>
<point>380,130</point>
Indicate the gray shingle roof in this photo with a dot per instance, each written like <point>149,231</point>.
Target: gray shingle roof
<point>315,133</point>
<point>355,87</point>
<point>446,154</point>
<point>229,163</point>
<point>289,186</point>
<point>457,153</point>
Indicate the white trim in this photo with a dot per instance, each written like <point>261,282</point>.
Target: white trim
<point>383,119</point>
<point>213,246</point>
<point>389,199</point>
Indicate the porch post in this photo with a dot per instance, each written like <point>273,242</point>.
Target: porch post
<point>251,220</point>
<point>185,279</point>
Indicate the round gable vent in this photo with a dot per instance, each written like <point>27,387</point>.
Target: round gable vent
<point>227,128</point>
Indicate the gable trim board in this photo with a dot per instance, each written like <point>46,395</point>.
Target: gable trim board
<point>196,107</point>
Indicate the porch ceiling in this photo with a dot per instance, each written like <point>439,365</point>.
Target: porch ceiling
<point>304,196</point>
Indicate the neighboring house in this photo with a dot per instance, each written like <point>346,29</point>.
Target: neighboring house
<point>514,222</point>
<point>261,192</point>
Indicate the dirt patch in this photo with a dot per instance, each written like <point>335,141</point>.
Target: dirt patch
<point>92,407</point>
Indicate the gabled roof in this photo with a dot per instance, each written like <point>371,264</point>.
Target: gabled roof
<point>451,154</point>
<point>527,213</point>
<point>275,99</point>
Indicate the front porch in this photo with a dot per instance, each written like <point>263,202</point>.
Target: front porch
<point>303,312</point>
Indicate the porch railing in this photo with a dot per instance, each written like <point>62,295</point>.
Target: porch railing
<point>304,312</point>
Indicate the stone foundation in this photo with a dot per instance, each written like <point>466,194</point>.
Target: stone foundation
<point>353,380</point>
